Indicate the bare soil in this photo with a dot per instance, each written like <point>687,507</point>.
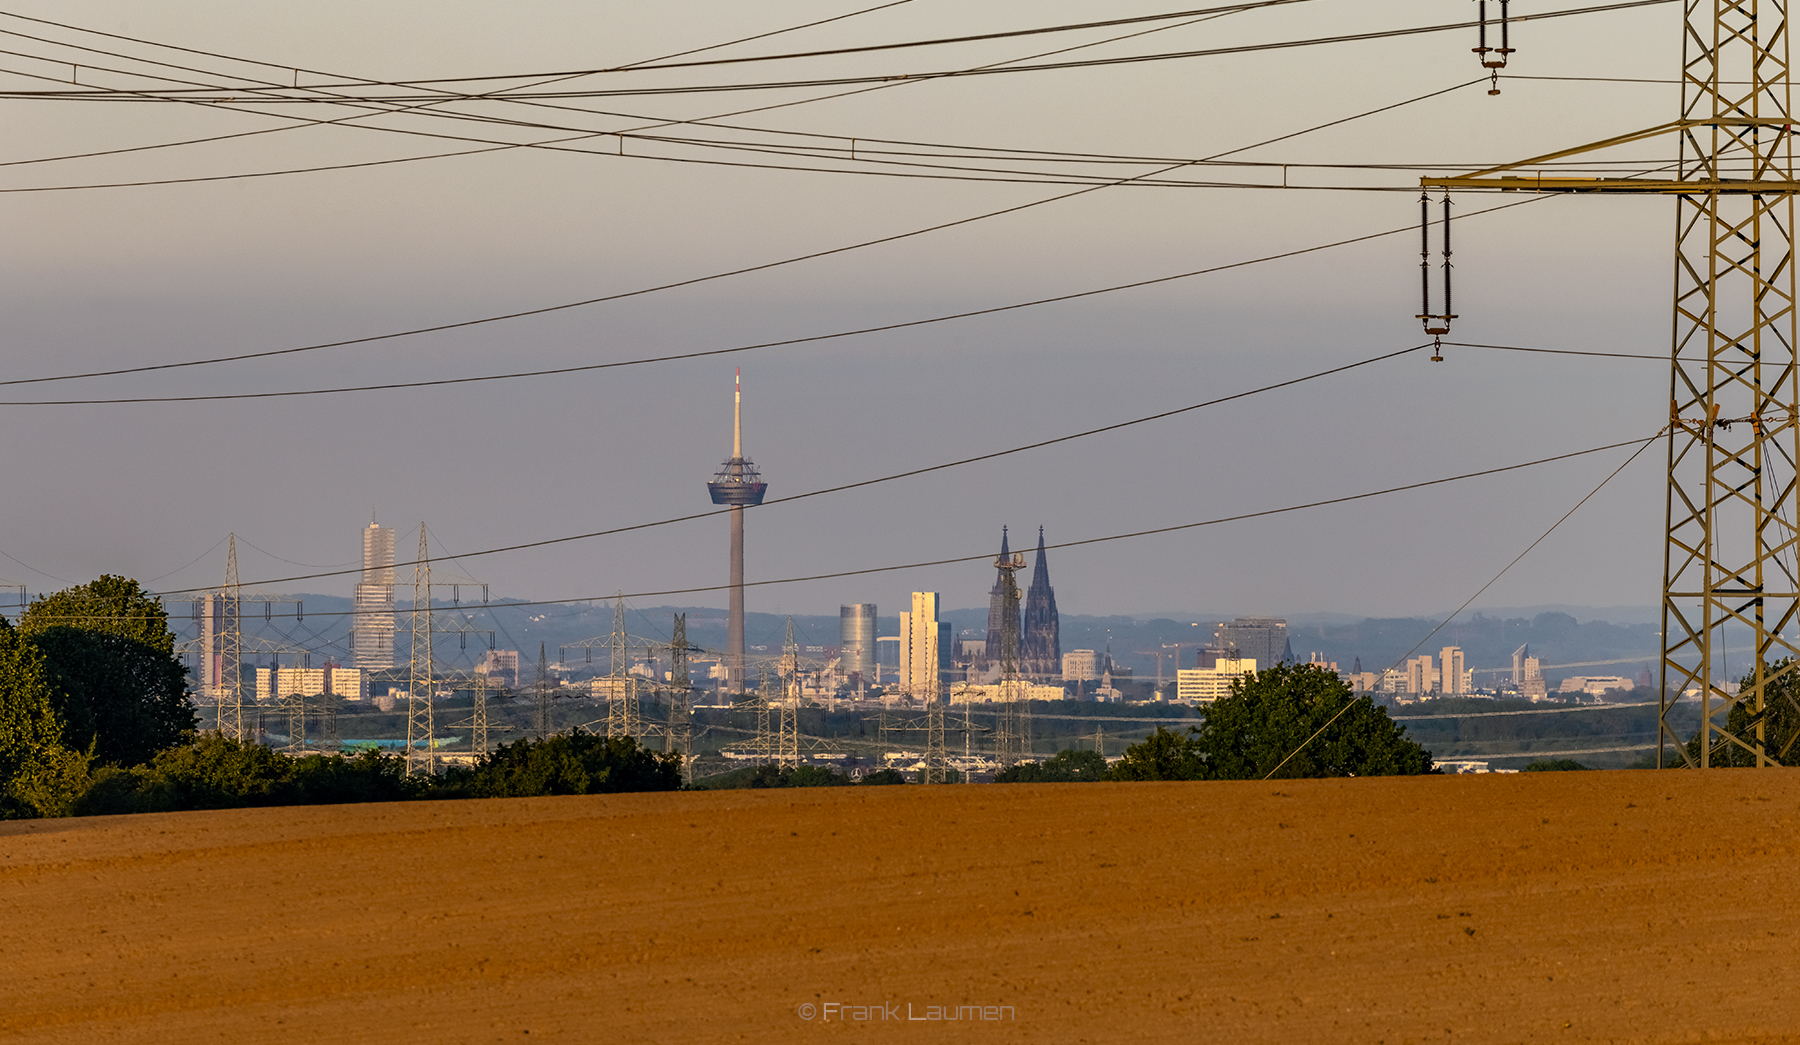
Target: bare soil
<point>1555,907</point>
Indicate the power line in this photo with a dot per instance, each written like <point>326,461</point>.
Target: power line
<point>986,556</point>
<point>177,94</point>
<point>909,473</point>
<point>658,359</point>
<point>1642,445</point>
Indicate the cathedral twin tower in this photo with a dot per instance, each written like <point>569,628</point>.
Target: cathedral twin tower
<point>1040,647</point>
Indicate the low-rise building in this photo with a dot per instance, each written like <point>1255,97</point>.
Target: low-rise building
<point>1080,665</point>
<point>349,683</point>
<point>1205,685</point>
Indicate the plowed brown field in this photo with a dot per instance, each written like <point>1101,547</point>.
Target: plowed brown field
<point>1624,906</point>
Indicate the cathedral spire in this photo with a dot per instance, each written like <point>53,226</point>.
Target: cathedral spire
<point>1041,653</point>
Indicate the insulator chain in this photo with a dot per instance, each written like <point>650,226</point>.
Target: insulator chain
<point>1498,62</point>
<point>1437,324</point>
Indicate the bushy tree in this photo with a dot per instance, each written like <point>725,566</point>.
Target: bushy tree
<point>1163,755</point>
<point>1068,766</point>
<point>572,763</point>
<point>118,687</point>
<point>213,771</point>
<point>1781,723</point>
<point>1272,715</point>
<point>883,777</point>
<point>1553,765</point>
<point>39,776</point>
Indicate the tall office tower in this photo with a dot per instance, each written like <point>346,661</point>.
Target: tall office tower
<point>1040,654</point>
<point>856,638</point>
<point>924,648</point>
<point>997,606</point>
<point>738,484</point>
<point>208,674</point>
<point>1452,680</point>
<point>1262,639</point>
<point>1519,655</point>
<point>372,637</point>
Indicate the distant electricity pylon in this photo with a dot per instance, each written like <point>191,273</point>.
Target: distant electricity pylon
<point>421,722</point>
<point>1012,733</point>
<point>680,735</point>
<point>787,744</point>
<point>1734,409</point>
<point>540,687</point>
<point>622,718</point>
<point>231,681</point>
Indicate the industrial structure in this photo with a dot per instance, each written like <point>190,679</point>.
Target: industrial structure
<point>1733,438</point>
<point>856,641</point>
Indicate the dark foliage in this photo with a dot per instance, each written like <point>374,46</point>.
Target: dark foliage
<point>215,772</point>
<point>883,777</point>
<point>1270,716</point>
<point>1069,766</point>
<point>1780,722</point>
<point>118,686</point>
<point>1554,765</point>
<point>38,775</point>
<point>572,763</point>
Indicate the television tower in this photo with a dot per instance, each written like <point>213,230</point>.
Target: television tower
<point>738,484</point>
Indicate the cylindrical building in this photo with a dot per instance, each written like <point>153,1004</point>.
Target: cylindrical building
<point>856,637</point>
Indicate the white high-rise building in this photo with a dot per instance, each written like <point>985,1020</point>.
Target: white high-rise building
<point>372,637</point>
<point>1452,679</point>
<point>924,646</point>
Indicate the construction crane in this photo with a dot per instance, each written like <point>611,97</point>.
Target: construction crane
<point>1733,430</point>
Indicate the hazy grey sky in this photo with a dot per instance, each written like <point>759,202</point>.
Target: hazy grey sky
<point>131,276</point>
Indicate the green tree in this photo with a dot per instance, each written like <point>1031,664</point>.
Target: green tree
<point>1272,715</point>
<point>39,776</point>
<point>1068,766</point>
<point>213,771</point>
<point>1781,724</point>
<point>572,763</point>
<point>884,776</point>
<point>117,684</point>
<point>1553,765</point>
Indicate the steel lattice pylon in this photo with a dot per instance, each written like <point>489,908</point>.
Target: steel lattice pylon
<point>787,738</point>
<point>680,736</point>
<point>421,726</point>
<point>1733,438</point>
<point>622,718</point>
<point>1012,730</point>
<point>1732,443</point>
<point>231,674</point>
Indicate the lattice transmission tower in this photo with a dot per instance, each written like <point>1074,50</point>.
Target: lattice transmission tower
<point>622,713</point>
<point>1734,436</point>
<point>540,687</point>
<point>1012,730</point>
<point>680,735</point>
<point>421,722</point>
<point>231,642</point>
<point>787,740</point>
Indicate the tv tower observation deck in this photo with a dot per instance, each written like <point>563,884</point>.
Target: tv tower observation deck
<point>738,484</point>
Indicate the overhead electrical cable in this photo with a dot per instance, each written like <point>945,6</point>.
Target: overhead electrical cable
<point>544,310</point>
<point>704,353</point>
<point>879,78</point>
<point>988,556</point>
<point>1645,444</point>
<point>1086,63</point>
